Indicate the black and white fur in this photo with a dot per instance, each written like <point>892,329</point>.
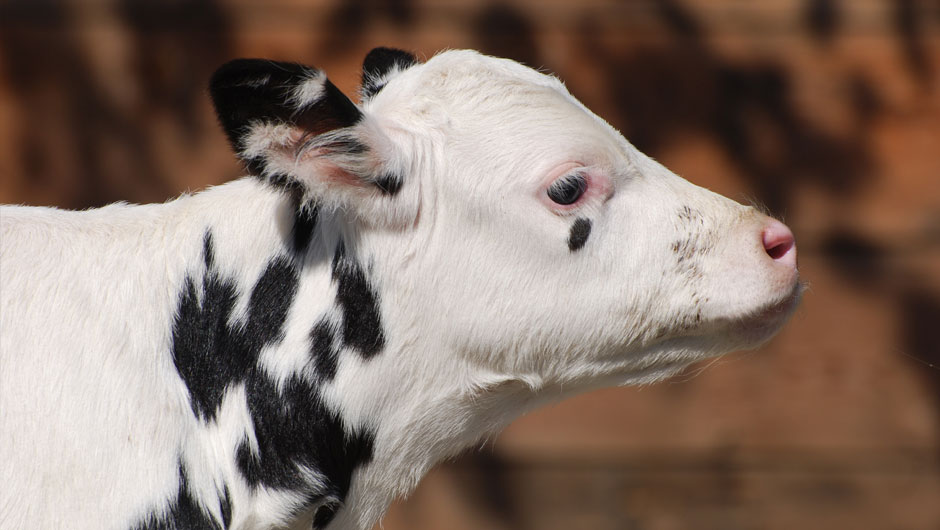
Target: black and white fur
<point>395,280</point>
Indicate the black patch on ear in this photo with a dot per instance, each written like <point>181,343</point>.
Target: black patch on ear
<point>378,63</point>
<point>580,231</point>
<point>185,512</point>
<point>362,322</point>
<point>209,353</point>
<point>247,91</point>
<point>389,184</point>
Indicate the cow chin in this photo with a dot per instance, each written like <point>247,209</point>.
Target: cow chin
<point>757,327</point>
<point>672,351</point>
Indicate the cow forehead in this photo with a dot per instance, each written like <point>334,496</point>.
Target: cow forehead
<point>457,64</point>
<point>464,79</point>
<point>498,101</point>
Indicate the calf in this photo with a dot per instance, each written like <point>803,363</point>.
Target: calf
<point>393,281</point>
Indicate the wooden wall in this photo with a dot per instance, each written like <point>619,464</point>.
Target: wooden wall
<point>826,111</point>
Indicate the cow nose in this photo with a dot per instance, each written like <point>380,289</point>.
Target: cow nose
<point>779,243</point>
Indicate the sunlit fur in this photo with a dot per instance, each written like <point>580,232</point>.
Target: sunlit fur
<point>487,312</point>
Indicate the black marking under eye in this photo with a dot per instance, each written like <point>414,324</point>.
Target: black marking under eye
<point>568,189</point>
<point>580,231</point>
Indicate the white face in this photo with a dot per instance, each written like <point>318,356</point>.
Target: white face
<point>546,244</point>
<point>504,221</point>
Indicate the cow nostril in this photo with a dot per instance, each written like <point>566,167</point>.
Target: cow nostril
<point>779,243</point>
<point>778,251</point>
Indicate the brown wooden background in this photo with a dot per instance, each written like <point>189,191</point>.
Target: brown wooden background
<point>827,111</point>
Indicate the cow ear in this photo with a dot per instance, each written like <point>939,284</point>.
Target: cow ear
<point>380,66</point>
<point>292,127</point>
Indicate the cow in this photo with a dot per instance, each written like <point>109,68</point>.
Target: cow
<point>393,280</point>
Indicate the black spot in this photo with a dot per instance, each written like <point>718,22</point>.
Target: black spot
<point>362,323</point>
<point>201,339</point>
<point>210,354</point>
<point>378,63</point>
<point>305,215</point>
<point>268,304</point>
<point>580,231</point>
<point>295,430</point>
<point>322,352</point>
<point>389,184</point>
<point>305,223</point>
<point>185,513</point>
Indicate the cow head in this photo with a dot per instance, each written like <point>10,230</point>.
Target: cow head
<point>508,225</point>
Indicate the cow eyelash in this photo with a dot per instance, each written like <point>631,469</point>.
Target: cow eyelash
<point>568,189</point>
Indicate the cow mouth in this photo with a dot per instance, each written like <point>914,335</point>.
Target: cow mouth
<point>764,323</point>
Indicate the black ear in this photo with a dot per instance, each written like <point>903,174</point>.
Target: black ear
<point>250,94</point>
<point>380,65</point>
<point>293,128</point>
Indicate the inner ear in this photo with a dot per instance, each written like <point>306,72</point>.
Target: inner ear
<point>380,66</point>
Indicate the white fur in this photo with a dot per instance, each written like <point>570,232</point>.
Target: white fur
<point>309,91</point>
<point>487,313</point>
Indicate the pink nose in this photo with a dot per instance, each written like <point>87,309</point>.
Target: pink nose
<point>779,243</point>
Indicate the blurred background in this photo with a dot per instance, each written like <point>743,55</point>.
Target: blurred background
<point>827,111</point>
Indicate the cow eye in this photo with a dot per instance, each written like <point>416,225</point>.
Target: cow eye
<point>568,189</point>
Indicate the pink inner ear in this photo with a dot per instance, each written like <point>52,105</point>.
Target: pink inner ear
<point>336,175</point>
<point>298,136</point>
